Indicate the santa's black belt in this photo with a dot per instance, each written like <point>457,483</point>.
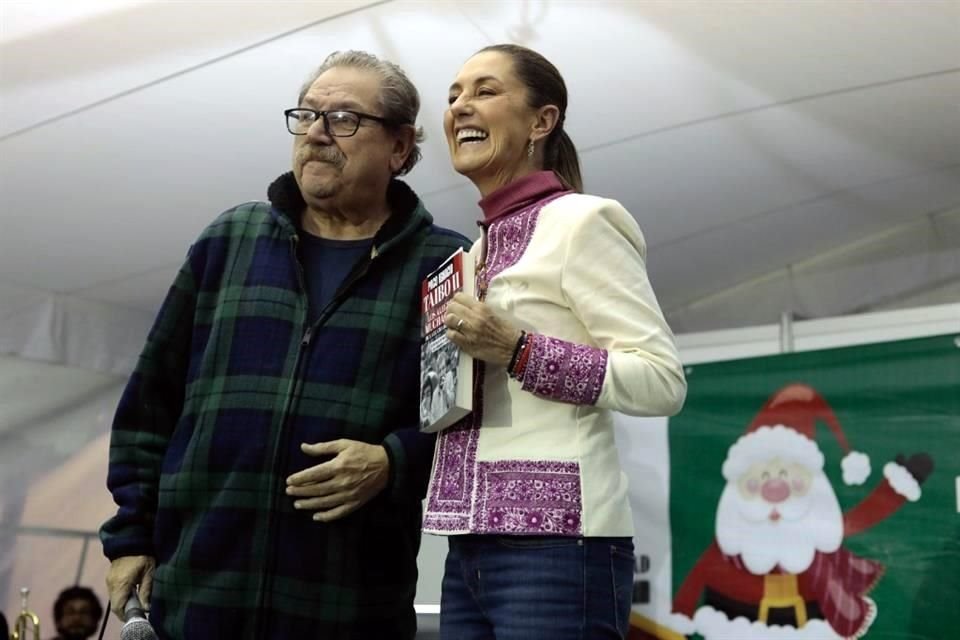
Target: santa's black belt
<point>783,616</point>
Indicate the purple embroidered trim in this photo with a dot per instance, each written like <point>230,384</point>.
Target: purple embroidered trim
<point>565,371</point>
<point>508,238</point>
<point>525,497</point>
<point>506,496</point>
<point>452,479</point>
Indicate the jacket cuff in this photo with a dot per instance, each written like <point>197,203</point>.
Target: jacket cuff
<point>410,454</point>
<point>564,371</point>
<point>120,545</point>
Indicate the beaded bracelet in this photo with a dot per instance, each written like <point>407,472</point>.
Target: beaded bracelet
<point>522,361</point>
<point>516,350</point>
<point>516,371</point>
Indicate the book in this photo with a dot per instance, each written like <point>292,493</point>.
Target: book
<point>446,373</point>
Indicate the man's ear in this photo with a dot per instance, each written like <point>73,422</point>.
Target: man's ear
<point>403,143</point>
<point>546,121</point>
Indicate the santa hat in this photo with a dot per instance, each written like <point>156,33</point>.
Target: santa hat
<point>785,428</point>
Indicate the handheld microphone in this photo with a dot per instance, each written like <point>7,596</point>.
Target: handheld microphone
<point>135,625</point>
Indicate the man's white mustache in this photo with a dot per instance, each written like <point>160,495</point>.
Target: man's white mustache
<point>336,159</point>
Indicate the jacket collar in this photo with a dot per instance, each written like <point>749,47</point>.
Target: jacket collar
<point>540,186</point>
<point>408,214</point>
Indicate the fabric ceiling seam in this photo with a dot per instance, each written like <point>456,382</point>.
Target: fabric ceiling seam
<point>771,105</point>
<point>176,74</point>
<point>800,203</point>
<point>803,264</point>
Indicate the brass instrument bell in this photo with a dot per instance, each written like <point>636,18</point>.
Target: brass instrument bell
<point>26,621</point>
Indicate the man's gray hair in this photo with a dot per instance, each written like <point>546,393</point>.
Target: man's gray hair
<point>399,99</point>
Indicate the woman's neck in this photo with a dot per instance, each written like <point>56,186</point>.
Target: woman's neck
<point>499,179</point>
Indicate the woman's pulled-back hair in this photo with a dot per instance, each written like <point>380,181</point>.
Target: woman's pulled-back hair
<point>545,86</point>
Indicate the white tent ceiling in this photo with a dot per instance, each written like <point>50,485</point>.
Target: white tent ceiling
<point>780,156</point>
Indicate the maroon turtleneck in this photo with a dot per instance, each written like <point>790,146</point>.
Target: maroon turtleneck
<point>540,186</point>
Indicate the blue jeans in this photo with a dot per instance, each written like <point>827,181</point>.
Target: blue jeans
<point>536,588</point>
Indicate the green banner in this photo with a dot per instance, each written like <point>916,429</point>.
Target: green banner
<point>815,495</point>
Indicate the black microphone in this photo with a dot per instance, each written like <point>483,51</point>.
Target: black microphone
<point>135,625</point>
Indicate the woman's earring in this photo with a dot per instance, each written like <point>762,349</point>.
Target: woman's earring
<point>530,149</point>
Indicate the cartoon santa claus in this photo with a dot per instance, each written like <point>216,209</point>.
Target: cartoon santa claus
<point>777,568</point>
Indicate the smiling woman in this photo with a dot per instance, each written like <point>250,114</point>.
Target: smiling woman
<point>505,119</point>
<point>567,329</point>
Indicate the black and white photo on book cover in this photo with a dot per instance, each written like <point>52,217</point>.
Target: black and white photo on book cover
<point>438,380</point>
<point>446,373</point>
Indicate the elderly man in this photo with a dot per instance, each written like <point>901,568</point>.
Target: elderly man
<point>266,457</point>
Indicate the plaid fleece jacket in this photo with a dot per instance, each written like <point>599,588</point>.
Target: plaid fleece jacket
<point>230,382</point>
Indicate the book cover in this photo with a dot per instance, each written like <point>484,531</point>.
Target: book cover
<point>446,373</point>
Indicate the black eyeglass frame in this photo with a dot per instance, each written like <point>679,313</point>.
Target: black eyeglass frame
<point>326,123</point>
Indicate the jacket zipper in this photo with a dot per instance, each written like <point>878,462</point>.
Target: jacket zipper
<point>359,270</point>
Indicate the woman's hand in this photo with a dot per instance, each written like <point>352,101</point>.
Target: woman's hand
<point>474,327</point>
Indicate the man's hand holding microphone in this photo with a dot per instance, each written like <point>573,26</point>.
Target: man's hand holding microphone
<point>128,600</point>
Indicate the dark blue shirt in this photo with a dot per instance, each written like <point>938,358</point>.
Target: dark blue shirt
<point>326,264</point>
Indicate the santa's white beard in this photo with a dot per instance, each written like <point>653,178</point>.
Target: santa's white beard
<point>807,524</point>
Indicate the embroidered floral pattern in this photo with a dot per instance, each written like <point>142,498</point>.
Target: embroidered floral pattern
<point>526,497</point>
<point>508,238</point>
<point>565,371</point>
<point>452,480</point>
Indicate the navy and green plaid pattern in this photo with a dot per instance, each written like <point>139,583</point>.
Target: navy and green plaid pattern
<point>211,422</point>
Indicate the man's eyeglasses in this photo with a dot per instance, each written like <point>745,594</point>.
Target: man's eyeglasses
<point>340,123</point>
